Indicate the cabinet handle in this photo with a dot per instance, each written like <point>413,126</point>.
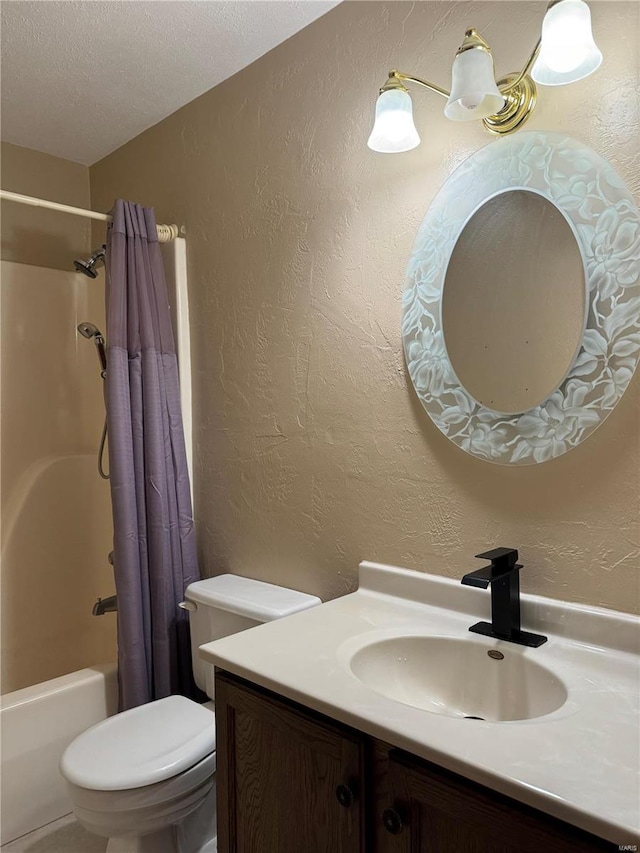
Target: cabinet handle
<point>392,821</point>
<point>345,796</point>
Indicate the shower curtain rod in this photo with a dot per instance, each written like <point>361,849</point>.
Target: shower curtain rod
<point>166,233</point>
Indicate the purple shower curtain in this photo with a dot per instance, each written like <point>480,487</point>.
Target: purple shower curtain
<point>154,541</point>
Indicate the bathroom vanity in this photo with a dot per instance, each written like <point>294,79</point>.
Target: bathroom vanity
<point>292,781</point>
<point>378,723</point>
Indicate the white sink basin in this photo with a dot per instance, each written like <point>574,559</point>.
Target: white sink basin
<point>459,678</point>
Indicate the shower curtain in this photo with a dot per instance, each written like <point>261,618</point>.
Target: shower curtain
<point>154,541</point>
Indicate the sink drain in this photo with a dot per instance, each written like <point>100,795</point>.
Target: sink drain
<point>473,718</point>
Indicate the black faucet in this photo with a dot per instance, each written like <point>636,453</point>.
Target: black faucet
<point>504,576</point>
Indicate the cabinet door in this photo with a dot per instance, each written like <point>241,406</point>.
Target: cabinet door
<point>425,809</point>
<point>287,783</point>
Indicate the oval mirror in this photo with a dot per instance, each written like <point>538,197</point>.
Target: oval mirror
<point>579,315</point>
<point>513,315</point>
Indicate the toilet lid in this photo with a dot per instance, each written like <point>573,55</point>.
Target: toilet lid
<point>147,744</point>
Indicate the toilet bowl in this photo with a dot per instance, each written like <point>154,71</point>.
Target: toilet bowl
<point>145,778</point>
<point>139,775</point>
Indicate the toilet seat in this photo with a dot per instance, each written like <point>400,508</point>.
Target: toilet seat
<point>141,747</point>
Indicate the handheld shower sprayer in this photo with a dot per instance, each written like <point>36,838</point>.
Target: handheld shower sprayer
<point>89,331</point>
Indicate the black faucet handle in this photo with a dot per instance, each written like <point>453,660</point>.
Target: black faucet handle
<point>502,559</point>
<point>503,563</point>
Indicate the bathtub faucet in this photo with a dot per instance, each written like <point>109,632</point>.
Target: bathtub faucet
<point>105,605</point>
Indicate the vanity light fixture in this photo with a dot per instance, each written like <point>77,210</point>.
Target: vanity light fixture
<point>565,53</point>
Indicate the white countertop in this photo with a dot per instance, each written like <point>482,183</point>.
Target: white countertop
<point>580,763</point>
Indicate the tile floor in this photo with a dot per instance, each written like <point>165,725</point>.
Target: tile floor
<point>62,836</point>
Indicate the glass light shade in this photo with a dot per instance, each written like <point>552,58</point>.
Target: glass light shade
<point>393,130</point>
<point>568,51</point>
<point>474,93</point>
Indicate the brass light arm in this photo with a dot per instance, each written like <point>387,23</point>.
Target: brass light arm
<point>513,83</point>
<point>400,76</point>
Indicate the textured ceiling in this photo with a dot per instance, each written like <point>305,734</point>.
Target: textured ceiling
<point>82,77</point>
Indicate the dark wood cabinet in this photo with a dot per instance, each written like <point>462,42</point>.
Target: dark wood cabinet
<point>293,781</point>
<point>426,809</point>
<point>287,783</point>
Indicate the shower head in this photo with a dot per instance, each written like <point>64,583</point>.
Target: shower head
<point>88,267</point>
<point>88,330</point>
<point>91,332</point>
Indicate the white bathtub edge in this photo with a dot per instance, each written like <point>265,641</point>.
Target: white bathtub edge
<point>36,725</point>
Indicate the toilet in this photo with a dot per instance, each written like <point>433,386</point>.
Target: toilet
<point>145,778</point>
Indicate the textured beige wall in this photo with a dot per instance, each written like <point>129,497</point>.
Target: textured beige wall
<point>312,452</point>
<point>56,511</point>
<point>32,235</point>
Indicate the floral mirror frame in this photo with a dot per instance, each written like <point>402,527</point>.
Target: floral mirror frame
<point>606,224</point>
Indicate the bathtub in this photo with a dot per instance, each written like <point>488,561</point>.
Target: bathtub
<point>36,725</point>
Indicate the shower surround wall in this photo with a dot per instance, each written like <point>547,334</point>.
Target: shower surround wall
<point>56,511</point>
<point>310,447</point>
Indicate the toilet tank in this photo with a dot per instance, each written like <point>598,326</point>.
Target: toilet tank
<point>228,604</point>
